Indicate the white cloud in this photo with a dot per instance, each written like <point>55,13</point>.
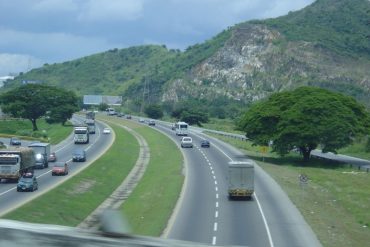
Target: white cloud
<point>113,10</point>
<point>15,63</point>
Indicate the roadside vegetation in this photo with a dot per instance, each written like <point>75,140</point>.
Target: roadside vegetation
<point>53,133</point>
<point>335,200</point>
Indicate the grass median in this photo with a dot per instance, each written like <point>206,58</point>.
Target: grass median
<point>335,201</point>
<point>71,202</point>
<point>150,206</point>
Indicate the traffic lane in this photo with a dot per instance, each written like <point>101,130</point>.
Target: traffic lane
<point>10,199</point>
<point>285,223</point>
<point>240,222</point>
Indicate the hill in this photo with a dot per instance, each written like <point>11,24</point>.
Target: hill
<point>326,44</point>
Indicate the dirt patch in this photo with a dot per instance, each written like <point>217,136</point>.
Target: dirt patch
<point>82,187</point>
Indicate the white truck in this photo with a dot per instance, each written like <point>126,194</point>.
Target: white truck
<point>16,161</point>
<point>241,179</point>
<point>181,129</point>
<point>90,125</point>
<point>42,153</point>
<point>81,135</point>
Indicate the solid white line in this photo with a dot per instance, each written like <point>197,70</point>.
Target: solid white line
<point>215,227</point>
<point>264,221</point>
<point>216,214</point>
<point>214,240</point>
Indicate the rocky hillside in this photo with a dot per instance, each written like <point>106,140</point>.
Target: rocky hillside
<point>326,44</point>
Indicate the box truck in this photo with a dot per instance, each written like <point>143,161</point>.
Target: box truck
<point>241,179</point>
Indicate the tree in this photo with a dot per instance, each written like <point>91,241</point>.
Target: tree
<point>305,118</point>
<point>63,105</point>
<point>154,111</point>
<point>194,117</point>
<point>32,101</point>
<point>103,106</point>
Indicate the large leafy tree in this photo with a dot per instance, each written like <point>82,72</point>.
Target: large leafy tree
<point>154,111</point>
<point>305,118</point>
<point>32,101</point>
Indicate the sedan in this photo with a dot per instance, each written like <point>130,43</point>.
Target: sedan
<point>186,142</point>
<point>106,131</point>
<point>79,155</point>
<point>27,182</point>
<point>60,168</point>
<point>15,141</point>
<point>52,157</point>
<point>205,144</point>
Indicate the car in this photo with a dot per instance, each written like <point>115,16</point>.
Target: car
<point>141,120</point>
<point>151,122</point>
<point>52,157</point>
<point>120,114</point>
<point>60,168</point>
<point>106,131</point>
<point>79,155</point>
<point>15,141</point>
<point>128,117</point>
<point>27,182</point>
<point>186,142</point>
<point>205,144</point>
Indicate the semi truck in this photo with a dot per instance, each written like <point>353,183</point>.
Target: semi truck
<point>90,115</point>
<point>16,161</point>
<point>42,153</point>
<point>90,125</point>
<point>241,179</point>
<point>81,135</point>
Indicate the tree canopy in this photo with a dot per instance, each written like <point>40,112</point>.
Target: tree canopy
<point>154,111</point>
<point>32,101</point>
<point>305,118</point>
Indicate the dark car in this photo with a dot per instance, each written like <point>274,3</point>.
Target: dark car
<point>52,157</point>
<point>15,141</point>
<point>205,144</point>
<point>60,168</point>
<point>128,117</point>
<point>151,122</point>
<point>27,182</point>
<point>79,155</point>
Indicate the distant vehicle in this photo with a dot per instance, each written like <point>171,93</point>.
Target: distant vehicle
<point>128,117</point>
<point>141,120</point>
<point>27,182</point>
<point>15,161</point>
<point>241,179</point>
<point>52,157</point>
<point>90,115</point>
<point>120,114</point>
<point>205,144</point>
<point>173,127</point>
<point>60,168</point>
<point>42,153</point>
<point>90,125</point>
<point>106,131</point>
<point>111,111</point>
<point>151,122</point>
<point>2,145</point>
<point>15,141</point>
<point>81,135</point>
<point>181,128</point>
<point>186,142</point>
<point>79,155</point>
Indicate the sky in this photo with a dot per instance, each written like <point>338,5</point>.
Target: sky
<point>35,32</point>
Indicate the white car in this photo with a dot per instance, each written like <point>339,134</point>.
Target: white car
<point>186,142</point>
<point>106,131</point>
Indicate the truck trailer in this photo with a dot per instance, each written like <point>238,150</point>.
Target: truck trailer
<point>42,153</point>
<point>16,161</point>
<point>81,135</point>
<point>241,179</point>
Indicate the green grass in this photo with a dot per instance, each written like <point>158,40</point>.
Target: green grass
<point>151,204</point>
<point>53,133</point>
<point>71,202</point>
<point>335,202</point>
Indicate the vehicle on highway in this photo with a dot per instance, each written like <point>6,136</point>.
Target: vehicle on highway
<point>42,153</point>
<point>15,161</point>
<point>81,135</point>
<point>186,142</point>
<point>128,117</point>
<point>111,111</point>
<point>52,157</point>
<point>27,182</point>
<point>2,145</point>
<point>79,155</point>
<point>141,120</point>
<point>90,125</point>
<point>205,144</point>
<point>241,179</point>
<point>151,122</point>
<point>181,128</point>
<point>14,141</point>
<point>60,168</point>
<point>120,114</point>
<point>106,131</point>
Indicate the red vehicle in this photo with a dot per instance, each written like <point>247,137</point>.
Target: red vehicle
<point>59,169</point>
<point>52,157</point>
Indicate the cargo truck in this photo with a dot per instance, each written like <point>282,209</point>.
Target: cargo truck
<point>81,135</point>
<point>90,125</point>
<point>90,115</point>
<point>42,153</point>
<point>16,161</point>
<point>241,179</point>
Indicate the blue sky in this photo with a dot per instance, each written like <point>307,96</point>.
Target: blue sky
<point>34,32</point>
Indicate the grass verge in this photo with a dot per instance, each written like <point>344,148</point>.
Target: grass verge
<point>71,202</point>
<point>151,204</point>
<point>334,202</point>
<point>53,133</point>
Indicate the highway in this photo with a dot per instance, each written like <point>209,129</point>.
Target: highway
<point>10,198</point>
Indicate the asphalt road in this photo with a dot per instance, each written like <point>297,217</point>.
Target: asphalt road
<point>10,198</point>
